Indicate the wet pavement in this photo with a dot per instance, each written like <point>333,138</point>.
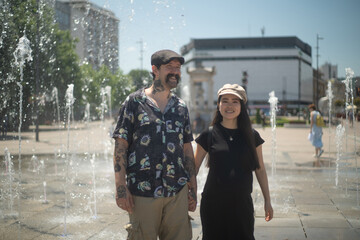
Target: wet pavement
<point>67,186</point>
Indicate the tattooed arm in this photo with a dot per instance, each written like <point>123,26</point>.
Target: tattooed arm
<point>123,197</point>
<point>190,167</point>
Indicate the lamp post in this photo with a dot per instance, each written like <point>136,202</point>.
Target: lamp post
<point>37,74</point>
<point>317,69</point>
<point>141,52</point>
<point>299,90</point>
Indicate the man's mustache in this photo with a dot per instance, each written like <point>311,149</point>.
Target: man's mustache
<point>178,78</point>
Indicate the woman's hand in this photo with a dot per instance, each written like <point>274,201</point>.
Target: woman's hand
<point>192,199</point>
<point>269,212</point>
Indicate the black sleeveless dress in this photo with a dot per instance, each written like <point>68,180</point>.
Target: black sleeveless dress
<point>226,208</point>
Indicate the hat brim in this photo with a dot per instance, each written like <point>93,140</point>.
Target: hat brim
<point>232,93</point>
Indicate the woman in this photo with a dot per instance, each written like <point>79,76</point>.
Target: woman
<point>316,132</point>
<point>234,148</point>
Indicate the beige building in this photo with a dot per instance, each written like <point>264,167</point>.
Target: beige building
<point>96,28</point>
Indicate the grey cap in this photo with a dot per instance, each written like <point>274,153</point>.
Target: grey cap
<point>165,56</point>
<point>233,89</point>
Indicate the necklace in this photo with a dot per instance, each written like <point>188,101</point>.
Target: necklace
<point>228,134</point>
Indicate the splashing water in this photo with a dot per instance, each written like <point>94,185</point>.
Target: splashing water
<point>340,130</point>
<point>87,114</point>
<point>55,97</point>
<point>350,106</point>
<point>22,54</point>
<point>348,91</point>
<point>69,96</point>
<point>92,161</point>
<point>23,51</point>
<point>108,93</point>
<point>273,108</point>
<point>330,97</point>
<point>103,104</point>
<point>42,169</point>
<point>35,164</point>
<point>9,171</point>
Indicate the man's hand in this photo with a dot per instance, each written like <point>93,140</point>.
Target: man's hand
<point>124,199</point>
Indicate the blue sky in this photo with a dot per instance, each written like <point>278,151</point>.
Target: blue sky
<point>172,23</point>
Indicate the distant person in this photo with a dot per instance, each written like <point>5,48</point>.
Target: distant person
<point>263,119</point>
<point>316,132</point>
<point>198,124</point>
<point>235,151</point>
<point>351,117</point>
<point>154,164</point>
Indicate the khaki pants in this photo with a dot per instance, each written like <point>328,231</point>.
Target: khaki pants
<point>166,218</point>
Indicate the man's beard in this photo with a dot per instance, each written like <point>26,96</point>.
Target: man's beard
<point>171,83</point>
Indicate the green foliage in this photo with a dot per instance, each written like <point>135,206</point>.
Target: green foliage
<point>357,102</point>
<point>55,64</point>
<point>257,116</point>
<point>95,81</point>
<point>339,103</point>
<point>140,78</point>
<point>17,19</point>
<point>66,71</point>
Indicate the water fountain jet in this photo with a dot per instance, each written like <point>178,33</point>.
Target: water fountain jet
<point>273,108</point>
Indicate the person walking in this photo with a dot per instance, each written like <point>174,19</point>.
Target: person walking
<point>234,151</point>
<point>316,133</point>
<point>154,164</point>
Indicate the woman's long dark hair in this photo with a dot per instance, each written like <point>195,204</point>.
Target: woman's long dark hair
<point>245,127</point>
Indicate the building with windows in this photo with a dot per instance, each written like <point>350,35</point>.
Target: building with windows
<point>329,71</point>
<point>261,65</point>
<point>96,28</point>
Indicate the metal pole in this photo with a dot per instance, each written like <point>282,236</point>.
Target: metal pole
<point>141,53</point>
<point>317,70</point>
<point>37,74</point>
<point>299,92</point>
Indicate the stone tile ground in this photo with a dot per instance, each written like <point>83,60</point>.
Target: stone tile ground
<point>307,202</point>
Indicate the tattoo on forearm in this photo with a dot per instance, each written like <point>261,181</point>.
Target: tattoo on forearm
<point>158,87</point>
<point>117,167</point>
<point>190,166</point>
<point>120,157</point>
<point>121,191</point>
<point>193,194</point>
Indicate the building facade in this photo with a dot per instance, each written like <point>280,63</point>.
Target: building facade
<point>329,71</point>
<point>262,65</point>
<point>96,29</point>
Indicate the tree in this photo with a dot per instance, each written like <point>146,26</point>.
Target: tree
<point>67,71</point>
<point>93,83</point>
<point>140,78</point>
<point>54,60</point>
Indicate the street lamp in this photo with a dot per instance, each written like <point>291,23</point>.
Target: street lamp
<point>37,73</point>
<point>317,69</point>
<point>299,87</point>
<point>141,53</point>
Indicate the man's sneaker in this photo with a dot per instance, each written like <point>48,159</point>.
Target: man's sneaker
<point>321,152</point>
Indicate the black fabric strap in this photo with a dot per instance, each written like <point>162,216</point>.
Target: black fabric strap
<point>209,137</point>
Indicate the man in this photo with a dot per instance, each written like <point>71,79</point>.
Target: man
<point>153,158</point>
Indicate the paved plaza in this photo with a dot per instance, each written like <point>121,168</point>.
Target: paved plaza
<point>66,186</point>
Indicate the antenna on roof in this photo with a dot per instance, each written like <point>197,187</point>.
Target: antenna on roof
<point>263,31</point>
